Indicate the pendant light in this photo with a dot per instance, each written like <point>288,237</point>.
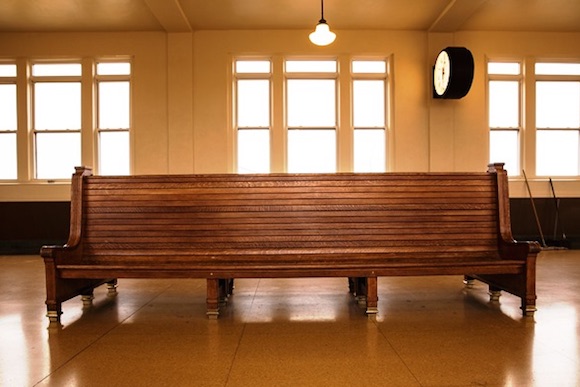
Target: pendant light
<point>322,36</point>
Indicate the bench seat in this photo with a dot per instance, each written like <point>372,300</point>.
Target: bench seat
<point>220,227</point>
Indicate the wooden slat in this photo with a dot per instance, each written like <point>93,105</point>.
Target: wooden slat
<point>272,219</point>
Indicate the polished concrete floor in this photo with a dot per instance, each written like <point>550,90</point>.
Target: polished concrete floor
<point>430,331</point>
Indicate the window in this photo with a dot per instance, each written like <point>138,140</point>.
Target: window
<point>114,100</point>
<point>504,101</point>
<point>286,115</point>
<point>65,116</point>
<point>252,89</point>
<point>311,115</point>
<point>557,119</point>
<point>8,122</point>
<point>56,90</point>
<point>369,115</point>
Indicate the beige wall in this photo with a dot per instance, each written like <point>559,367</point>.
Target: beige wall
<point>181,101</point>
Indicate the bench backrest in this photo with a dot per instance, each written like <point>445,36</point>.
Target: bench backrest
<point>289,217</point>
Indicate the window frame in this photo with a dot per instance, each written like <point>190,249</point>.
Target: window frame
<point>520,129</point>
<point>371,76</point>
<point>315,75</point>
<point>98,130</point>
<point>11,80</point>
<point>26,130</point>
<point>344,130</point>
<point>249,75</point>
<point>33,80</point>
<point>553,78</point>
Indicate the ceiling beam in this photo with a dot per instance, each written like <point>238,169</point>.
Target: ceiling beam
<point>170,14</point>
<point>455,14</point>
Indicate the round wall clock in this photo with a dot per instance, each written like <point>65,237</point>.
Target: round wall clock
<point>453,73</point>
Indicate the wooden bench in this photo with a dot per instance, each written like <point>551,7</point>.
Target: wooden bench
<point>224,226</point>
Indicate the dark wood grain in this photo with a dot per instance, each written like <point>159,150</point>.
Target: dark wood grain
<point>290,225</point>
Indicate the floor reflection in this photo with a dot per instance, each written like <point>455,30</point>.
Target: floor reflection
<point>556,329</point>
<point>13,350</point>
<point>430,331</point>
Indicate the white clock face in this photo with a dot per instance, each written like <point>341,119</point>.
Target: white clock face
<point>441,73</point>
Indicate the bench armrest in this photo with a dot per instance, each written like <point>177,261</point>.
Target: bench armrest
<point>518,249</point>
<point>52,251</point>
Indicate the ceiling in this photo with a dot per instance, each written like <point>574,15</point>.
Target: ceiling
<point>191,15</point>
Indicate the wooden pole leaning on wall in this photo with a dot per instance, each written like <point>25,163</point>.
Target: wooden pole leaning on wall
<point>557,222</point>
<point>534,209</point>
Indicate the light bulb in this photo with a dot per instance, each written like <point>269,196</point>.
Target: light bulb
<point>322,36</point>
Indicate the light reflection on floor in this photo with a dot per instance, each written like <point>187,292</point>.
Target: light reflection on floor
<point>430,331</point>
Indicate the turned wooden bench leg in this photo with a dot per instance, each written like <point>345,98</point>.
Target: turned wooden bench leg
<point>87,299</point>
<point>213,294</point>
<point>53,312</point>
<point>112,288</point>
<point>529,308</point>
<point>468,281</point>
<point>494,293</point>
<point>372,296</point>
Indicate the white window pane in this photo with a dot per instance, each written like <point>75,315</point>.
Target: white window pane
<point>311,103</point>
<point>114,153</point>
<point>311,66</point>
<point>369,103</point>
<point>369,150</point>
<point>253,66</point>
<point>57,154</point>
<point>557,153</point>
<point>503,68</point>
<point>504,104</point>
<point>7,70</point>
<point>56,69</point>
<point>114,68</point>
<point>311,151</point>
<point>558,104</point>
<point>369,66</point>
<point>8,156</point>
<point>504,148</point>
<point>114,105</point>
<point>253,103</point>
<point>8,107</point>
<point>558,68</point>
<point>254,151</point>
<point>57,105</point>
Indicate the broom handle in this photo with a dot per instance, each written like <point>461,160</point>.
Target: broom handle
<point>534,208</point>
<point>557,204</point>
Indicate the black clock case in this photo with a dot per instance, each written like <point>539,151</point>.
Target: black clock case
<point>461,67</point>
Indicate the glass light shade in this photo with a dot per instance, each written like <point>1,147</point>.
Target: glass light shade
<point>322,36</point>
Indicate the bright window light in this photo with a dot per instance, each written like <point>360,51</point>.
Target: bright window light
<point>557,152</point>
<point>504,104</point>
<point>311,66</point>
<point>369,66</point>
<point>369,150</point>
<point>252,66</point>
<point>56,69</point>
<point>311,151</point>
<point>557,104</point>
<point>369,103</point>
<point>253,151</point>
<point>503,68</point>
<point>57,105</point>
<point>253,97</point>
<point>311,103</point>
<point>557,69</point>
<point>114,68</point>
<point>504,148</point>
